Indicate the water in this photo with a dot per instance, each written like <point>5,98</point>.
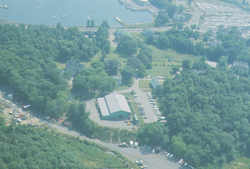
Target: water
<point>41,12</point>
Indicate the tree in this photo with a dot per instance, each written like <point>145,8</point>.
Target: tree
<point>127,45</point>
<point>171,10</point>
<point>186,64</point>
<point>105,24</point>
<point>175,68</point>
<point>92,23</point>
<point>193,26</point>
<point>161,19</point>
<point>142,71</point>
<point>88,23</point>
<point>127,74</point>
<point>134,62</point>
<point>181,8</point>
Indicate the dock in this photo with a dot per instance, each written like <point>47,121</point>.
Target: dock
<point>120,21</point>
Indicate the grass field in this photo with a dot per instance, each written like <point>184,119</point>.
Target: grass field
<point>137,113</point>
<point>239,163</point>
<point>60,65</point>
<point>161,66</point>
<point>144,83</point>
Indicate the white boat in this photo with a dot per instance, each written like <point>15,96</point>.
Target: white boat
<point>107,14</point>
<point>37,7</point>
<point>76,19</point>
<point>88,17</point>
<point>92,15</point>
<point>64,16</point>
<point>27,12</point>
<point>53,12</point>
<point>54,17</point>
<point>5,6</point>
<point>53,8</point>
<point>60,8</point>
<point>28,17</point>
<point>0,6</point>
<point>89,8</point>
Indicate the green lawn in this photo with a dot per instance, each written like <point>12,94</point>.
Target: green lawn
<point>137,112</point>
<point>60,65</point>
<point>239,163</point>
<point>144,83</point>
<point>161,66</point>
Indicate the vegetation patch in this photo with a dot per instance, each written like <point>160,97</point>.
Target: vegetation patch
<point>144,83</point>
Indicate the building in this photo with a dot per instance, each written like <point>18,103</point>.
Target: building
<point>147,32</point>
<point>114,107</point>
<point>212,64</point>
<point>155,82</point>
<point>121,33</point>
<point>241,65</point>
<point>118,79</point>
<point>74,67</point>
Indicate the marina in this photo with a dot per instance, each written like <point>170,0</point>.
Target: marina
<point>51,12</point>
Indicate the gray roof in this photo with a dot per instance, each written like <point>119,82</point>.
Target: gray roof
<point>103,106</point>
<point>117,77</point>
<point>75,65</point>
<point>116,102</point>
<point>113,103</point>
<point>155,82</point>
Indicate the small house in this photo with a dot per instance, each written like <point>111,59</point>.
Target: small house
<point>118,79</point>
<point>74,67</point>
<point>241,65</point>
<point>155,82</point>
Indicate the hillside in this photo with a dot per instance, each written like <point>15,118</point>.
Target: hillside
<point>27,147</point>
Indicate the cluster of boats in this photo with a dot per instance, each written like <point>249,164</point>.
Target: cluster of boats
<point>4,6</point>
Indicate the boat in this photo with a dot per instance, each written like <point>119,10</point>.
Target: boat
<point>107,14</point>
<point>64,16</point>
<point>60,8</point>
<point>27,12</point>
<point>89,8</point>
<point>53,8</point>
<point>132,18</point>
<point>91,15</point>
<point>5,6</point>
<point>53,12</point>
<point>76,19</point>
<point>54,17</point>
<point>28,17</point>
<point>88,17</point>
<point>0,6</point>
<point>37,7</point>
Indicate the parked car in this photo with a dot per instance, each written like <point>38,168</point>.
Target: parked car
<point>171,156</point>
<point>162,152</point>
<point>185,164</point>
<point>168,154</point>
<point>180,161</point>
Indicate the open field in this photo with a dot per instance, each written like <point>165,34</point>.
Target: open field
<point>144,83</point>
<point>239,163</point>
<point>161,65</point>
<point>60,65</point>
<point>137,113</point>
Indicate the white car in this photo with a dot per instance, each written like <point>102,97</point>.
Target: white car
<point>168,154</point>
<point>180,161</point>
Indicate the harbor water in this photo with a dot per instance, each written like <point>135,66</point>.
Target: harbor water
<point>70,12</point>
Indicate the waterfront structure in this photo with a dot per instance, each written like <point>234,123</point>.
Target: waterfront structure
<point>141,2</point>
<point>114,107</point>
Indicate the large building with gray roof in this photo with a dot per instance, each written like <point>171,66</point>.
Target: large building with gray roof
<point>114,107</point>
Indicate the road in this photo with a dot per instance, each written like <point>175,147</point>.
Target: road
<point>151,160</point>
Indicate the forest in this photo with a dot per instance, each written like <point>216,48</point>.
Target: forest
<point>207,117</point>
<point>226,42</point>
<point>26,147</point>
